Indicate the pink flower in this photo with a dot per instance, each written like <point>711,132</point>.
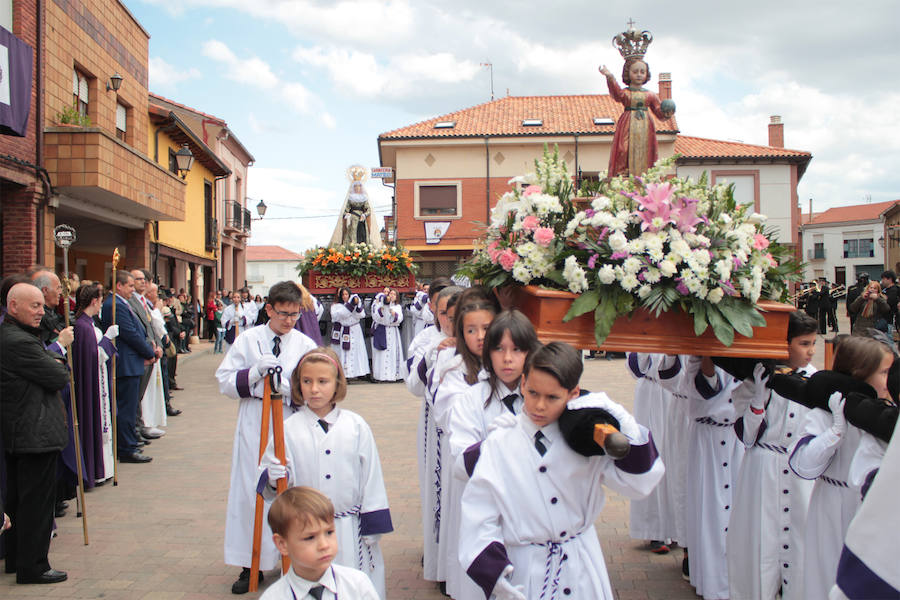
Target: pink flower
<point>685,214</point>
<point>532,189</point>
<point>592,261</point>
<point>543,236</point>
<point>507,259</point>
<point>760,242</point>
<point>771,259</point>
<point>530,223</point>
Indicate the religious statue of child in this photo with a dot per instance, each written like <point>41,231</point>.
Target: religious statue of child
<point>634,147</point>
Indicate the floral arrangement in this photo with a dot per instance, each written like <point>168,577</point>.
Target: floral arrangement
<point>656,242</point>
<point>357,260</point>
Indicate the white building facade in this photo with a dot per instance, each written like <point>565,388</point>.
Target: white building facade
<point>267,265</point>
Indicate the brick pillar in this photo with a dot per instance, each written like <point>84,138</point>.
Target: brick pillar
<point>240,267</point>
<point>137,248</point>
<point>228,267</point>
<point>665,86</point>
<point>20,239</point>
<point>776,132</point>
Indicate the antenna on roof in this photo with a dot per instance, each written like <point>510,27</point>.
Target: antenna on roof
<point>491,67</point>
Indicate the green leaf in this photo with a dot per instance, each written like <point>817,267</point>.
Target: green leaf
<point>604,317</point>
<point>584,303</point>
<point>720,325</point>
<point>756,318</point>
<point>738,316</point>
<point>557,277</point>
<point>700,320</point>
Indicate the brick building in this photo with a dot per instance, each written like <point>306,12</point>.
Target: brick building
<point>450,170</point>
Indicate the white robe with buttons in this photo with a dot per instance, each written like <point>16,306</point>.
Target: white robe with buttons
<point>518,502</point>
<point>238,369</point>
<point>768,519</point>
<point>820,454</point>
<point>388,364</point>
<point>344,465</point>
<point>355,361</point>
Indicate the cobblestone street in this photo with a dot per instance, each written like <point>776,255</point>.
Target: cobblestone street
<point>158,535</point>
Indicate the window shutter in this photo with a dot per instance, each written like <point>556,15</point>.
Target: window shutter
<point>437,199</point>
<point>120,117</point>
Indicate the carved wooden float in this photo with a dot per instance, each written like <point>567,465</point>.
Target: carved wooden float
<point>671,333</point>
<point>371,283</point>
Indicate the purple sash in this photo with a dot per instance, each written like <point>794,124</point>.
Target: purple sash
<point>340,335</point>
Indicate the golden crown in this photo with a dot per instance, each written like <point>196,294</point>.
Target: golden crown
<point>632,43</point>
<point>357,173</point>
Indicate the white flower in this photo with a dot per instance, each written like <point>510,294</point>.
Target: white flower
<point>668,268</point>
<point>600,203</point>
<point>629,282</point>
<point>575,275</point>
<point>521,273</point>
<point>606,274</point>
<point>644,291</point>
<point>618,241</point>
<point>631,265</point>
<point>681,249</point>
<point>715,295</point>
<point>757,219</point>
<point>724,218</point>
<point>652,275</point>
<point>701,257</point>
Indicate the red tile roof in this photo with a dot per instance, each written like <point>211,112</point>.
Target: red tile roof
<point>857,212</point>
<point>560,114</point>
<point>271,253</point>
<point>695,147</point>
<point>185,107</point>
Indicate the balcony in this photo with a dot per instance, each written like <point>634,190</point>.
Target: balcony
<point>101,176</point>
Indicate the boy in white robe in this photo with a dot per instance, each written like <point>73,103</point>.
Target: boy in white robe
<point>241,376</point>
<point>302,520</point>
<point>528,510</point>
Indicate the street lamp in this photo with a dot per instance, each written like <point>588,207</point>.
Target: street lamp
<point>184,159</point>
<point>261,209</point>
<point>114,83</point>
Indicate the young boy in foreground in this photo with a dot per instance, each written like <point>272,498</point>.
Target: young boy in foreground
<point>302,521</point>
<point>529,509</point>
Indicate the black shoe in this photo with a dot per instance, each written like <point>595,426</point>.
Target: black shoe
<point>176,388</point>
<point>172,412</point>
<point>685,568</point>
<point>48,576</point>
<point>60,511</point>
<point>142,442</point>
<point>134,457</point>
<point>658,547</point>
<point>242,585</point>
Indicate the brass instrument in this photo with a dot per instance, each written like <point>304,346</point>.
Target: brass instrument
<point>838,291</point>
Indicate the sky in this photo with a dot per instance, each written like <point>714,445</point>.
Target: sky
<point>307,86</point>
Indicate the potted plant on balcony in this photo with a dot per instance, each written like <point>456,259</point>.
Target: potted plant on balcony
<point>646,263</point>
<point>69,116</point>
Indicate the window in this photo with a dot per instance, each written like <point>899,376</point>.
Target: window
<point>438,199</point>
<point>532,122</point>
<point>173,162</point>
<point>279,269</point>
<point>121,120</point>
<point>819,250</point>
<point>859,248</point>
<point>445,125</point>
<point>603,121</point>
<point>80,92</point>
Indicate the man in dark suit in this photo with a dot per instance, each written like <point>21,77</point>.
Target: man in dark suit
<point>52,322</point>
<point>142,307</point>
<point>134,356</point>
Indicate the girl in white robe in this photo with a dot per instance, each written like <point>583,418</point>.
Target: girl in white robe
<point>235,319</point>
<point>474,314</point>
<point>387,314</point>
<point>714,460</point>
<point>239,378</point>
<point>333,450</point>
<point>509,340</point>
<point>768,520</point>
<point>105,408</point>
<point>660,516</point>
<point>825,453</point>
<point>420,311</point>
<point>528,518</point>
<point>346,333</point>
<point>423,358</point>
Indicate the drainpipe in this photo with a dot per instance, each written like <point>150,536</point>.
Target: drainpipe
<point>39,129</point>
<point>487,181</point>
<point>576,164</point>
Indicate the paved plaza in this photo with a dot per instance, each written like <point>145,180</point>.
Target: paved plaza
<point>159,534</point>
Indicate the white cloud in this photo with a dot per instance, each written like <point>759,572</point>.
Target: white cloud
<point>166,76</point>
<point>402,75</point>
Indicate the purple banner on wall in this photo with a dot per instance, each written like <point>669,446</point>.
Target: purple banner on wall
<point>15,84</point>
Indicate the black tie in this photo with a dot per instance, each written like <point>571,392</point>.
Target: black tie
<point>324,425</point>
<point>317,591</point>
<point>538,444</point>
<point>509,401</point>
<point>276,346</point>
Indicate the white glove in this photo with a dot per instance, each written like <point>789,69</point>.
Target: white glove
<point>504,590</point>
<point>276,471</point>
<point>112,332</point>
<point>627,424</point>
<point>752,391</point>
<point>371,540</point>
<point>836,405</point>
<point>266,361</point>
